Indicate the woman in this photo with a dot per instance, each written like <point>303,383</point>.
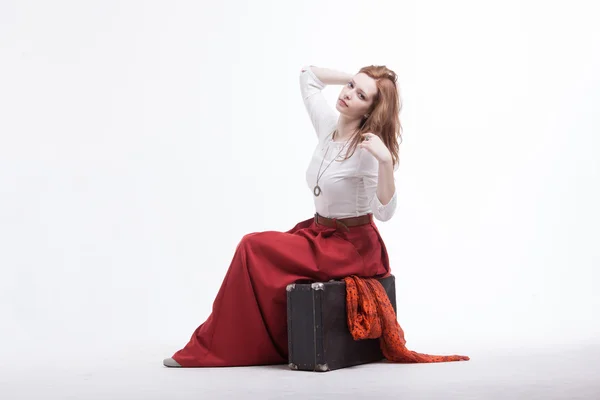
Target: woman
<point>351,178</point>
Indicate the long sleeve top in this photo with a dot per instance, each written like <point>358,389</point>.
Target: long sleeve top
<point>349,187</point>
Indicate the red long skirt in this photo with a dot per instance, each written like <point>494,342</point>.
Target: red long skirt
<point>248,323</point>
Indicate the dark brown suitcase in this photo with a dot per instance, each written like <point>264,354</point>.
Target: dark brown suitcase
<point>318,334</point>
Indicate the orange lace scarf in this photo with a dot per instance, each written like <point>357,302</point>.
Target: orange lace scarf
<point>371,316</point>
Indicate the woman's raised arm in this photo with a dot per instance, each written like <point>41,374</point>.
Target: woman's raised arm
<point>331,76</point>
<point>312,81</point>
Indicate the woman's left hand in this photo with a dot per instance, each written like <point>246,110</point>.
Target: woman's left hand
<point>374,145</point>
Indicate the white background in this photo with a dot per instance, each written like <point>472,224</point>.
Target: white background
<point>139,141</point>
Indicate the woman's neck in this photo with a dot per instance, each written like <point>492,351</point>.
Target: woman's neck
<point>345,128</point>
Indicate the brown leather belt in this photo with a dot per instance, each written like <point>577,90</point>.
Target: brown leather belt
<point>344,222</point>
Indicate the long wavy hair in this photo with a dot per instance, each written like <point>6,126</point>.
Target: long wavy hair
<point>384,113</point>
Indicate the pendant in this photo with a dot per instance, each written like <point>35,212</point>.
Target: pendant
<point>317,190</point>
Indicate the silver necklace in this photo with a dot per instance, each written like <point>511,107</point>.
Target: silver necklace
<point>317,190</point>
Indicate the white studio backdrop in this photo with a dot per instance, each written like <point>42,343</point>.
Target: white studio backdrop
<point>140,140</point>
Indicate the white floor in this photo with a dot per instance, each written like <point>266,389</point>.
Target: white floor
<point>553,374</point>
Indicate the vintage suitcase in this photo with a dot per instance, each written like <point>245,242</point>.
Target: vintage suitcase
<point>318,334</point>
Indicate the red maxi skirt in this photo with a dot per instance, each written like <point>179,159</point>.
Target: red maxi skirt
<point>248,323</point>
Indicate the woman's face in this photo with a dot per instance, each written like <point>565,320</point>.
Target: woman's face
<point>357,96</point>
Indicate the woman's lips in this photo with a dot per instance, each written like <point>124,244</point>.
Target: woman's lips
<point>343,103</point>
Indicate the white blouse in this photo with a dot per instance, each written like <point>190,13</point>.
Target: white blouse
<point>349,188</point>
